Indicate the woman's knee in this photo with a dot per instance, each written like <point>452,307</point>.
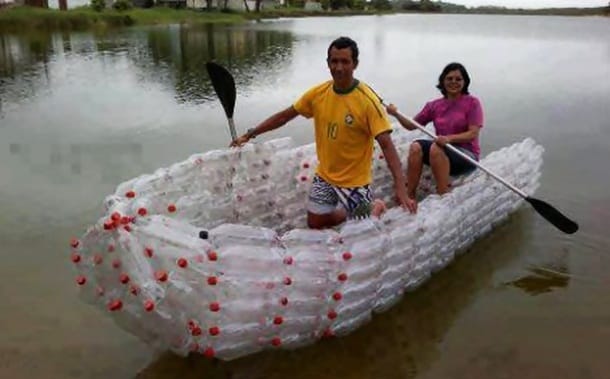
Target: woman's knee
<point>415,150</point>
<point>437,154</point>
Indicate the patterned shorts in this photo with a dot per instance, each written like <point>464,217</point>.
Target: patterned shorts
<point>324,198</point>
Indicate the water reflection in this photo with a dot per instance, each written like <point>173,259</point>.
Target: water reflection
<point>23,66</point>
<point>542,280</point>
<point>172,55</point>
<point>73,90</point>
<point>182,53</point>
<point>18,54</point>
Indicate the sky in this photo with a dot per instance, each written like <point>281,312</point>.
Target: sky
<point>528,4</point>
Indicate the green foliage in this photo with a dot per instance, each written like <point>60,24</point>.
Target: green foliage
<point>98,5</point>
<point>122,5</point>
<point>381,4</point>
<point>338,4</point>
<point>424,6</point>
<point>452,8</point>
<point>359,4</point>
<point>229,11</point>
<point>296,3</point>
<point>22,19</point>
<point>429,6</point>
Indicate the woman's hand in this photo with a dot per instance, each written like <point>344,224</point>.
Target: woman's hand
<point>442,140</point>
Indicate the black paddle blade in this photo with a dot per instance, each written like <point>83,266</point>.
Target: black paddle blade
<point>553,215</point>
<point>224,85</point>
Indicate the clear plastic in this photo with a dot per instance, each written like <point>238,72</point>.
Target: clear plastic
<point>212,254</point>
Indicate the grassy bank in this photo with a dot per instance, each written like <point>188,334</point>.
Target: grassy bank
<point>300,12</point>
<point>25,18</point>
<point>18,19</point>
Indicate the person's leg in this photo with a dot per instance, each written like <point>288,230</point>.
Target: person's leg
<point>326,220</point>
<point>378,208</point>
<point>416,158</point>
<point>439,162</point>
<point>358,202</point>
<point>322,211</point>
<point>355,202</point>
<point>459,165</point>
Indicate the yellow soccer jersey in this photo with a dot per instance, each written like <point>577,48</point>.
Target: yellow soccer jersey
<point>346,124</point>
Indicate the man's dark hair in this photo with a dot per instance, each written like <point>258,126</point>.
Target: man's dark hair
<point>343,43</point>
<point>452,67</point>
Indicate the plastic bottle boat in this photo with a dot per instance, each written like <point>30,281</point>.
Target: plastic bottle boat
<point>212,254</point>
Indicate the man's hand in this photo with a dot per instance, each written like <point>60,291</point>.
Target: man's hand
<point>403,200</point>
<point>391,158</point>
<point>240,141</point>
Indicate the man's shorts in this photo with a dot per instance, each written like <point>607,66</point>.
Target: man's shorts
<point>457,164</point>
<point>324,198</point>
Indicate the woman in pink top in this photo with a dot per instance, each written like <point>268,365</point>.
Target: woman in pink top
<point>457,118</point>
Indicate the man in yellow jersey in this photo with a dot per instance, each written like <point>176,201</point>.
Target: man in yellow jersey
<point>347,117</point>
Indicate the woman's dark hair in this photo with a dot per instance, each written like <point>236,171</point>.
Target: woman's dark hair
<point>452,67</point>
<point>342,43</point>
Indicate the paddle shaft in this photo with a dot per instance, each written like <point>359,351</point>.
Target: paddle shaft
<point>465,156</point>
<point>232,128</point>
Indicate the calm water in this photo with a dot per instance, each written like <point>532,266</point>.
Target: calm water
<point>82,112</point>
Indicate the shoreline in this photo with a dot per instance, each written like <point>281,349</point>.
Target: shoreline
<point>24,19</point>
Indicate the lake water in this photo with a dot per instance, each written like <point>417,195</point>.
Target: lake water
<point>82,112</point>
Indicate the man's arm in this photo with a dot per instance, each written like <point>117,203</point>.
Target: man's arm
<point>393,162</point>
<point>271,123</point>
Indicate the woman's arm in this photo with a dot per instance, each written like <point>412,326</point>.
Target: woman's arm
<point>467,136</point>
<point>393,111</point>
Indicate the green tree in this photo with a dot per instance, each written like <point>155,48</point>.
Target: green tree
<point>358,4</point>
<point>381,4</point>
<point>338,4</point>
<point>98,5</point>
<point>429,6</point>
<point>122,5</point>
